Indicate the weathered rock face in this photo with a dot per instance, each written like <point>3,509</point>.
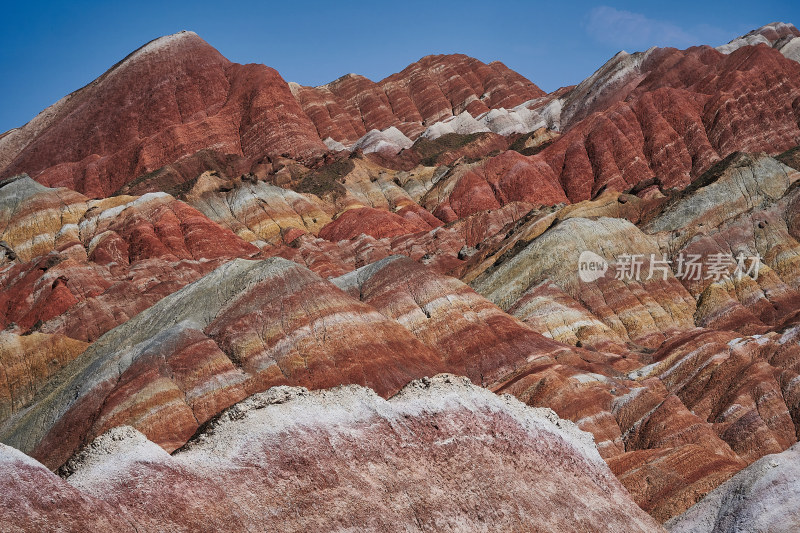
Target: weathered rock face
<point>681,118</point>
<point>667,456</point>
<point>685,100</point>
<point>28,362</point>
<point>508,177</point>
<point>241,329</point>
<point>257,212</point>
<point>761,497</point>
<point>674,423</point>
<point>747,206</point>
<point>778,35</point>
<point>663,114</point>
<point>425,92</point>
<point>36,219</point>
<point>447,249</point>
<point>35,499</point>
<point>80,267</point>
<point>438,451</point>
<point>638,309</point>
<point>475,338</point>
<point>739,184</point>
<point>374,222</point>
<point>171,98</point>
<point>546,308</point>
<point>160,311</point>
<point>741,385</point>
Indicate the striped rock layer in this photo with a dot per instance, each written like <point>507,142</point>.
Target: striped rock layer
<point>432,457</point>
<point>156,271</point>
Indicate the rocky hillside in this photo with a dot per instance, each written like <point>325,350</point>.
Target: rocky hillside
<point>341,456</point>
<point>205,269</point>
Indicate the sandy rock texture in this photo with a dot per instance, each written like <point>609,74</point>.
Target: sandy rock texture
<point>761,497</point>
<point>432,458</point>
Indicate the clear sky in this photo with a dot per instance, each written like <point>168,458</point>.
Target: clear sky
<point>49,49</point>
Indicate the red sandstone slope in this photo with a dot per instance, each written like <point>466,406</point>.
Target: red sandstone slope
<point>661,117</point>
<point>169,99</point>
<point>681,383</point>
<point>433,458</point>
<point>432,89</point>
<point>177,96</point>
<point>664,114</point>
<point>692,108</point>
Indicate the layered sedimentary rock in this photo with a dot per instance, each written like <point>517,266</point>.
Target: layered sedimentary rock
<point>241,329</point>
<point>80,267</point>
<point>28,362</point>
<point>675,124</point>
<point>432,457</point>
<point>36,219</point>
<point>447,249</point>
<point>778,35</point>
<point>666,115</point>
<point>35,499</point>
<point>508,177</point>
<point>375,222</point>
<point>742,212</point>
<point>708,403</point>
<point>454,147</point>
<point>170,99</point>
<point>761,497</point>
<point>390,140</point>
<point>546,308</point>
<point>737,185</point>
<point>667,481</point>
<point>475,338</point>
<point>256,211</point>
<point>430,90</point>
<point>643,305</point>
<point>644,101</point>
<point>682,381</point>
<point>743,385</point>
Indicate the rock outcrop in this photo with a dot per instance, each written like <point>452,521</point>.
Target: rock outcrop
<point>761,497</point>
<point>644,309</point>
<point>80,267</point>
<point>28,362</point>
<point>778,35</point>
<point>475,338</point>
<point>428,91</point>
<point>169,99</point>
<point>35,499</point>
<point>197,232</point>
<point>245,327</point>
<point>666,115</point>
<point>434,457</point>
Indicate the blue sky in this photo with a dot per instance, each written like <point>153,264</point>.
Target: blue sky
<point>48,49</point>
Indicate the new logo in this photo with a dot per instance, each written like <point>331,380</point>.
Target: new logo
<point>591,266</point>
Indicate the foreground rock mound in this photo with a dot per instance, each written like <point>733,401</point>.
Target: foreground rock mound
<point>442,455</point>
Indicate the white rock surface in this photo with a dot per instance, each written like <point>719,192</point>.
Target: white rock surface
<point>619,73</point>
<point>390,140</point>
<point>761,498</point>
<point>788,45</point>
<point>441,455</point>
<point>751,39</point>
<point>334,145</point>
<point>790,48</point>
<point>463,123</point>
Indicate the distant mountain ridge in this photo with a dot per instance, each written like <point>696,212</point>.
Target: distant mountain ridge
<point>177,96</point>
